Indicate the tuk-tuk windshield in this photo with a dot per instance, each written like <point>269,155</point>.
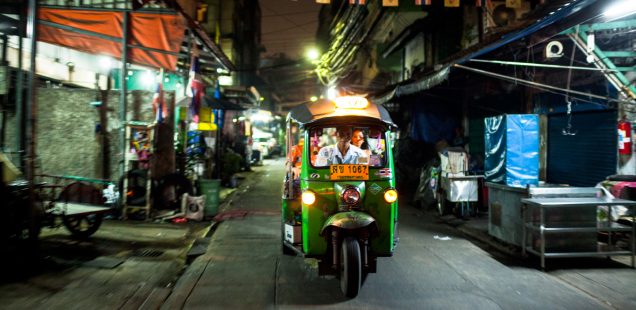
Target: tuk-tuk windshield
<point>360,144</point>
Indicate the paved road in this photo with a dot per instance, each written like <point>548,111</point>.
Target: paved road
<point>244,268</point>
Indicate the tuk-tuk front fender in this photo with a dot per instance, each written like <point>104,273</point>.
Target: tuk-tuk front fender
<point>349,220</point>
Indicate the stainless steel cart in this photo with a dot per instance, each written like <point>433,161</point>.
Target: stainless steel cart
<point>459,192</point>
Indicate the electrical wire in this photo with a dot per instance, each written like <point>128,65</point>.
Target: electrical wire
<point>534,65</point>
<point>287,18</point>
<point>567,131</point>
<point>290,28</point>
<point>538,85</point>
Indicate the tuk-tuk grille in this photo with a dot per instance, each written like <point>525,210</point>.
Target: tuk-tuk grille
<point>345,207</point>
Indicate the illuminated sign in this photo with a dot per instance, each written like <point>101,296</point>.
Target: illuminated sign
<point>351,102</point>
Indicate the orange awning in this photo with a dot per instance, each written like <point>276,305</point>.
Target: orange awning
<point>154,39</point>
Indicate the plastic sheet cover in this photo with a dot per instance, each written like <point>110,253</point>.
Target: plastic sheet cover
<point>512,149</point>
<point>495,149</point>
<point>154,39</point>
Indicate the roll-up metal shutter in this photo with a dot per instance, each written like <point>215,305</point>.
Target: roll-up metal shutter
<point>586,158</point>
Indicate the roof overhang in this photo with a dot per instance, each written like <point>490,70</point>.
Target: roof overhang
<point>325,111</point>
<point>557,19</point>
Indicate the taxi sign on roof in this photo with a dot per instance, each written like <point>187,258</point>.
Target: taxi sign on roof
<point>351,102</point>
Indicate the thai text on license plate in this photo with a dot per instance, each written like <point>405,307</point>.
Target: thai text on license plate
<point>349,172</point>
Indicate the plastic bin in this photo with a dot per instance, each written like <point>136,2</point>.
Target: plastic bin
<point>210,188</point>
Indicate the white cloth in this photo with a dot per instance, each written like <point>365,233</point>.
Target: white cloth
<point>330,155</point>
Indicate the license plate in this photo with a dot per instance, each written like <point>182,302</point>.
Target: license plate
<point>349,172</point>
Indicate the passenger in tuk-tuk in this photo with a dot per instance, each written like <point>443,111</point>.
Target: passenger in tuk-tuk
<point>294,158</point>
<point>343,152</point>
<point>296,153</point>
<point>359,139</point>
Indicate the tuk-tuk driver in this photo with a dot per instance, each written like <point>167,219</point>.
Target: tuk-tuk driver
<point>343,152</point>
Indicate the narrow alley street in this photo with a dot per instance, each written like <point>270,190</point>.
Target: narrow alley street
<point>434,267</point>
<point>286,154</point>
<point>140,265</point>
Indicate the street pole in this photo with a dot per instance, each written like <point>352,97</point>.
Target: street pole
<point>122,96</point>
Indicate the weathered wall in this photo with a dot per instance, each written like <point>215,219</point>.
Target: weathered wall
<point>76,138</point>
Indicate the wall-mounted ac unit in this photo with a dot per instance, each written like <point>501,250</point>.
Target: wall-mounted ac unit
<point>500,15</point>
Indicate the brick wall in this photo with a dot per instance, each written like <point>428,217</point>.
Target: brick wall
<point>76,138</point>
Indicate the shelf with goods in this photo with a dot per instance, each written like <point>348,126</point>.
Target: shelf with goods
<point>137,167</point>
<point>567,227</point>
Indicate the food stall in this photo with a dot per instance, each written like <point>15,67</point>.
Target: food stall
<point>458,190</point>
<point>546,220</point>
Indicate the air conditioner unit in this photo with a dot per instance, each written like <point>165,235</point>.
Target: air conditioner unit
<point>499,15</point>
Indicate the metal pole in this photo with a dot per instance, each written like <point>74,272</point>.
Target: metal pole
<point>122,96</point>
<point>31,107</point>
<point>5,97</point>
<point>32,113</point>
<point>19,104</point>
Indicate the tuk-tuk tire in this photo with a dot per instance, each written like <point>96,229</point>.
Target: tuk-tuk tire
<point>350,267</point>
<point>287,250</point>
<point>71,224</point>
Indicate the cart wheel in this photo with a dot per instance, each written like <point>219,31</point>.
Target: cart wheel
<point>82,226</point>
<point>350,267</point>
<point>442,204</point>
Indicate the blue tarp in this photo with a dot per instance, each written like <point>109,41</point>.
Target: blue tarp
<point>512,149</point>
<point>432,123</point>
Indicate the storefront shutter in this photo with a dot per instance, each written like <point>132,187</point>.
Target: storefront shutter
<point>586,158</point>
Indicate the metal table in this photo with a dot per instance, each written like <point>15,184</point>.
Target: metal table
<point>544,204</point>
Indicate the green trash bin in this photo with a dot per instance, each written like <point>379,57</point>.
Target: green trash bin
<point>210,188</point>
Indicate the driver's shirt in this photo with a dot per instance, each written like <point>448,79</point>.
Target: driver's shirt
<point>330,155</point>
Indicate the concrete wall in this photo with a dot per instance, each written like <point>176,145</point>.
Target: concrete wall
<point>76,138</point>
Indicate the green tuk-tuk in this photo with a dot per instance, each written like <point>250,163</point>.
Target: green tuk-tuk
<point>339,200</point>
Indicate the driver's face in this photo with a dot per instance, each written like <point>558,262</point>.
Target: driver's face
<point>344,135</point>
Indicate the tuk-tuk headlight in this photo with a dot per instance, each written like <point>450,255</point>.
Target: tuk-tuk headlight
<point>390,195</point>
<point>308,197</point>
<point>351,195</point>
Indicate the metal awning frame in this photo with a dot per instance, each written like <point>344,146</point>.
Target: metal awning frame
<point>441,73</point>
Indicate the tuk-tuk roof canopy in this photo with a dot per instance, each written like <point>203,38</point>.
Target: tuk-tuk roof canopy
<point>325,111</point>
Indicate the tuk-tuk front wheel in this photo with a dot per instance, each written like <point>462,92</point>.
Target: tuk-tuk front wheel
<point>350,267</point>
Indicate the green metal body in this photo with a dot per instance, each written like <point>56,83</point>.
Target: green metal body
<point>326,210</point>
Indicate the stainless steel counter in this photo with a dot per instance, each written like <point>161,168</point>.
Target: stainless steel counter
<point>562,232</point>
